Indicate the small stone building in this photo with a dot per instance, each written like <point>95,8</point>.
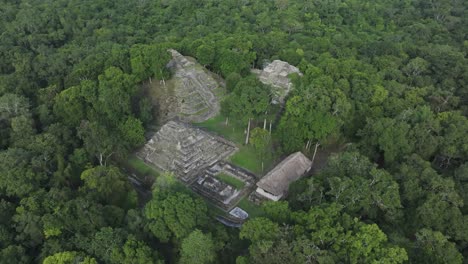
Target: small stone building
<point>274,185</point>
<point>277,74</point>
<point>220,193</point>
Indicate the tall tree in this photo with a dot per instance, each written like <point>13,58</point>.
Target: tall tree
<point>260,140</point>
<point>433,246</point>
<point>98,141</point>
<point>69,257</point>
<point>14,254</point>
<point>114,94</point>
<point>197,248</point>
<point>312,114</point>
<point>205,54</point>
<point>109,185</point>
<point>250,99</point>
<point>149,60</point>
<point>431,199</point>
<point>454,143</point>
<point>387,136</point>
<point>134,252</point>
<point>17,177</point>
<point>174,215</point>
<point>352,181</point>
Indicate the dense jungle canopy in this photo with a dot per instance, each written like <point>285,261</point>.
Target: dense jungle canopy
<point>386,79</point>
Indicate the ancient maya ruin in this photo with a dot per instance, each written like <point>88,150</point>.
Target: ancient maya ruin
<point>190,94</point>
<point>276,74</point>
<point>220,193</point>
<point>198,158</point>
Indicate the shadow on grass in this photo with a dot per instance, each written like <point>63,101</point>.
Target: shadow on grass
<point>251,208</point>
<point>246,157</point>
<point>140,167</point>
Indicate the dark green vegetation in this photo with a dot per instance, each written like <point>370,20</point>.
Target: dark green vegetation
<point>389,77</point>
<point>140,167</point>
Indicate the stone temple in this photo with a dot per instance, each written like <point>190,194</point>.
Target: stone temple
<point>184,150</point>
<point>189,95</point>
<point>276,74</point>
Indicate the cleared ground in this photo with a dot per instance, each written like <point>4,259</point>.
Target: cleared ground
<point>246,157</point>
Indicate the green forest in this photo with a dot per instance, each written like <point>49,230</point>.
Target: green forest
<point>386,81</point>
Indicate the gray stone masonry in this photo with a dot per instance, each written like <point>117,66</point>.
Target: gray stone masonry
<point>276,75</point>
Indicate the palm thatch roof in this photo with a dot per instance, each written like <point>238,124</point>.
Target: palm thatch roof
<point>287,171</point>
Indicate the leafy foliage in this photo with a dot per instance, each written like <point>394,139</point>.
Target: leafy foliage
<point>321,234</point>
<point>249,99</point>
<point>197,248</point>
<point>388,78</point>
<point>174,215</point>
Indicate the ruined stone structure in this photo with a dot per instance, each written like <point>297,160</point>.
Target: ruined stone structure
<point>219,192</point>
<point>276,74</point>
<point>223,195</point>
<point>184,150</point>
<point>197,158</point>
<point>239,213</point>
<point>189,95</point>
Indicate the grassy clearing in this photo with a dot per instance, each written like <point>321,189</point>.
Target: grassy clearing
<point>141,167</point>
<point>231,131</point>
<point>246,157</point>
<point>238,184</point>
<point>251,208</point>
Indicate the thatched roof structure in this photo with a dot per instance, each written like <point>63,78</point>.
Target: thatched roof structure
<point>287,171</point>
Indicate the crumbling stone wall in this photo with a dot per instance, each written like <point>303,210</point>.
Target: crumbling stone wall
<point>276,75</point>
<point>190,94</point>
<point>223,195</point>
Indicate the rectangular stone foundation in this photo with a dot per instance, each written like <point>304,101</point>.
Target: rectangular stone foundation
<point>221,194</point>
